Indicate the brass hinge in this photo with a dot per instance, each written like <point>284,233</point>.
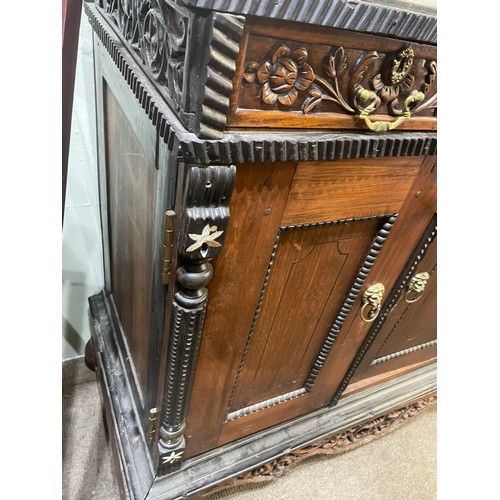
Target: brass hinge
<point>168,240</point>
<point>152,425</point>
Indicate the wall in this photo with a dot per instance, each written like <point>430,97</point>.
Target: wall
<point>82,270</point>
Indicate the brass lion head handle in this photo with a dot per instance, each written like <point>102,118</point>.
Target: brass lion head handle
<point>372,297</point>
<point>416,287</point>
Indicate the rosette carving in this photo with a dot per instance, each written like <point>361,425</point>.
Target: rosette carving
<point>284,76</point>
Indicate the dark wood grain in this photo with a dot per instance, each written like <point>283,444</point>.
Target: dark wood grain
<point>132,200</point>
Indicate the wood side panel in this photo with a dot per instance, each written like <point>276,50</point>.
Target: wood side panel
<point>256,208</point>
<point>132,199</point>
<point>313,271</point>
<point>323,191</point>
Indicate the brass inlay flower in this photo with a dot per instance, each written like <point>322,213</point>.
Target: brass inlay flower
<point>207,237</point>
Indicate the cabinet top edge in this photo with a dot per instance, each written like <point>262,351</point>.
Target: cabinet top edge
<point>247,145</point>
<point>361,15</point>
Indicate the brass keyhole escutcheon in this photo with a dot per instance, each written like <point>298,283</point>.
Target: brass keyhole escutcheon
<point>372,297</point>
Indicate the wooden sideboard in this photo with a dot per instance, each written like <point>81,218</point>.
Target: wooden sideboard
<point>267,178</point>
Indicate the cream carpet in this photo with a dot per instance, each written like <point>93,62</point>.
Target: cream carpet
<point>400,465</point>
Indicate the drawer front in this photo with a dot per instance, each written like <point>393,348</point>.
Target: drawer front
<point>297,76</point>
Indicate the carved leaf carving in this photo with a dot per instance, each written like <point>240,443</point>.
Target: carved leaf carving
<point>336,64</point>
<point>362,68</point>
<point>310,103</point>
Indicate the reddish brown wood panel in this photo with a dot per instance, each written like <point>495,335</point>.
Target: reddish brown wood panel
<point>284,328</point>
<point>132,198</point>
<point>417,210</point>
<point>313,271</point>
<point>414,216</point>
<point>291,75</point>
<point>325,191</point>
<point>256,208</point>
<point>407,326</point>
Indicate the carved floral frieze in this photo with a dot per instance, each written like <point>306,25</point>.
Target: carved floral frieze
<point>342,80</point>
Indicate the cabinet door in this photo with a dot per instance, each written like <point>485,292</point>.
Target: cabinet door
<point>405,337</point>
<point>282,324</point>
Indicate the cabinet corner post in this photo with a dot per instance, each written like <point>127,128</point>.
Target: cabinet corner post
<point>205,220</point>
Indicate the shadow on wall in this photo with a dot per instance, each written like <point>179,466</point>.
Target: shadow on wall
<point>75,320</point>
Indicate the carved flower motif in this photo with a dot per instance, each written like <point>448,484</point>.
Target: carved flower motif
<point>285,75</point>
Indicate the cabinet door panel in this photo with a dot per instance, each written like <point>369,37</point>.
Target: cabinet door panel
<point>287,284</point>
<point>314,269</point>
<point>408,336</point>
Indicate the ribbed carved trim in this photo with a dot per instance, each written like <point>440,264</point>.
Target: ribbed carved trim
<point>377,244</point>
<point>265,404</point>
<point>257,147</point>
<point>224,48</point>
<point>431,234</point>
<point>356,15</point>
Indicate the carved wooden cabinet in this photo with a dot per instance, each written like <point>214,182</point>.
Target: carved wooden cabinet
<point>267,175</point>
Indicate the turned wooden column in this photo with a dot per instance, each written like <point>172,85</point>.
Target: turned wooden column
<point>203,231</point>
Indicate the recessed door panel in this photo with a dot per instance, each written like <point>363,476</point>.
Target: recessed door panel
<point>313,270</point>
